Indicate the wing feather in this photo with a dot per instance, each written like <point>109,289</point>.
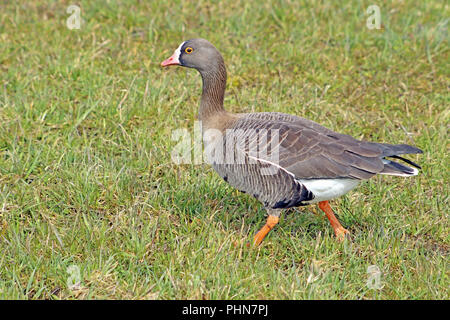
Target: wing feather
<point>309,150</point>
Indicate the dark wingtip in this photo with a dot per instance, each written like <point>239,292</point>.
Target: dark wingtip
<point>409,161</point>
<point>390,150</point>
<point>416,150</point>
<point>409,149</point>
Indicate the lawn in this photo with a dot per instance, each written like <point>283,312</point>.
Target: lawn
<point>93,207</point>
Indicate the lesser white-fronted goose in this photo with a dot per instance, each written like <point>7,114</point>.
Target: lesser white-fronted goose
<point>283,160</point>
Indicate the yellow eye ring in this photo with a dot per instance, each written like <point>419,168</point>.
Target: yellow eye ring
<point>188,50</point>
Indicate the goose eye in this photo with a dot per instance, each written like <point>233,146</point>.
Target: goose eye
<point>188,50</point>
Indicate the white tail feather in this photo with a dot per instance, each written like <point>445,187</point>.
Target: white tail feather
<point>414,172</point>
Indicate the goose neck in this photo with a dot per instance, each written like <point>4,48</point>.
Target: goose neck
<point>214,83</point>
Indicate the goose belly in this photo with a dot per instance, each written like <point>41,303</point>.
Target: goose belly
<point>327,189</point>
<point>277,191</point>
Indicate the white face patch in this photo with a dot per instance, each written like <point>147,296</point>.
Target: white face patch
<point>177,52</point>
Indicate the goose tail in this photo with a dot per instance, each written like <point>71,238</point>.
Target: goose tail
<point>394,168</point>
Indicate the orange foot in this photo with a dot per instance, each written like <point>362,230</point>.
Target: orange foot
<point>270,224</point>
<point>341,233</point>
<point>339,230</point>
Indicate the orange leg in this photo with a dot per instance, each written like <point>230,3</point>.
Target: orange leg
<point>337,227</point>
<point>271,222</point>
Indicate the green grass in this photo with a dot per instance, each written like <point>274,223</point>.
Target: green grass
<point>86,177</point>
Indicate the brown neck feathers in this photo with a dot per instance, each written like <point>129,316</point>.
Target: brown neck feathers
<point>214,83</point>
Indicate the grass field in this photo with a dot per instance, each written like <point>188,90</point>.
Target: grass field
<point>92,207</point>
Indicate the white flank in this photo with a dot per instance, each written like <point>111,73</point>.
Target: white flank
<point>327,189</point>
<point>323,189</point>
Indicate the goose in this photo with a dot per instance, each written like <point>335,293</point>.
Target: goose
<point>280,159</point>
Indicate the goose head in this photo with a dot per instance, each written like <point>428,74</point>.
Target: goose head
<point>198,53</point>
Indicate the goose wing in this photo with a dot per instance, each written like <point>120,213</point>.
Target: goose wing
<point>308,150</point>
